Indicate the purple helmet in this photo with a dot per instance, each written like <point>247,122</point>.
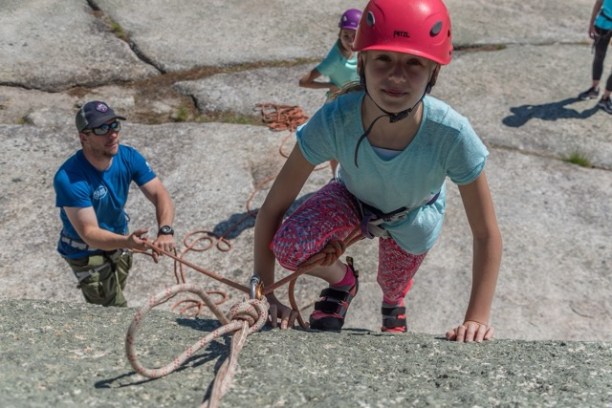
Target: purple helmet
<point>350,19</point>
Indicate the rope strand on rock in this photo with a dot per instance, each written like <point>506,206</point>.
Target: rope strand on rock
<point>282,117</point>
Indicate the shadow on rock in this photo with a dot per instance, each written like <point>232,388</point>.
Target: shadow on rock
<point>192,362</point>
<point>547,111</point>
<point>215,350</point>
<point>237,223</point>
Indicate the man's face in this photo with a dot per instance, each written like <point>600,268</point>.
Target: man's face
<point>103,141</point>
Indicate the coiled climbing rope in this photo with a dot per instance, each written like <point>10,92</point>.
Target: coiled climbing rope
<point>247,316</point>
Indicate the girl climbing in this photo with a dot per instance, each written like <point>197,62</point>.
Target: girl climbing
<point>396,146</point>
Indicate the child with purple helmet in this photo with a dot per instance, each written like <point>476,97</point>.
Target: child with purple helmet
<point>340,64</point>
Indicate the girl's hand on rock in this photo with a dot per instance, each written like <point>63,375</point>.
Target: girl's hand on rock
<point>471,331</point>
<point>277,312</point>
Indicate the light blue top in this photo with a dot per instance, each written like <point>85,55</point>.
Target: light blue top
<point>604,18</point>
<point>78,184</point>
<point>445,145</point>
<point>338,68</point>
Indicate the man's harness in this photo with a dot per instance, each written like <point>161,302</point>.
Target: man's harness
<point>113,256</point>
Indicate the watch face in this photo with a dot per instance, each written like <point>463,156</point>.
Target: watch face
<point>166,230</point>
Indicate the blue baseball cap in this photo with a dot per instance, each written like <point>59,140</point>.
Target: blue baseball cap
<point>94,114</point>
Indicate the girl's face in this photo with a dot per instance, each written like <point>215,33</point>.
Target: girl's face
<point>346,38</point>
<point>396,81</point>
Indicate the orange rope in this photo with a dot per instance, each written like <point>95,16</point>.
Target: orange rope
<point>282,117</point>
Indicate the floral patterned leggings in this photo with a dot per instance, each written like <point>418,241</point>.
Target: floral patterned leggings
<point>332,213</point>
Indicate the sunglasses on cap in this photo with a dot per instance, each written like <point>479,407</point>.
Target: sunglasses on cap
<point>106,128</point>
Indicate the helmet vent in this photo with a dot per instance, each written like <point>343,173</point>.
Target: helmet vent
<point>435,30</point>
<point>370,20</point>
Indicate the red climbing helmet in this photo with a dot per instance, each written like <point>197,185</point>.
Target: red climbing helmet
<point>418,27</point>
<point>350,19</point>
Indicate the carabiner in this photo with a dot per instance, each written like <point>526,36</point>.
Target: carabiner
<point>256,291</point>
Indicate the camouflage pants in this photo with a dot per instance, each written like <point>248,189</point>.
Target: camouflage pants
<point>102,278</point>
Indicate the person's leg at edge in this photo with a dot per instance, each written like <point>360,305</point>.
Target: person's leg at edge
<point>605,103</point>
<point>600,47</point>
<point>396,269</point>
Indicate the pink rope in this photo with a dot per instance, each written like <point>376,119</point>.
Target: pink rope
<point>244,318</point>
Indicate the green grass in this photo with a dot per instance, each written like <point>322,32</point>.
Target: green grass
<point>230,117</point>
<point>119,31</point>
<point>182,114</point>
<point>579,159</point>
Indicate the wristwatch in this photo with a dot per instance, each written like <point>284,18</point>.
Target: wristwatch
<point>165,230</point>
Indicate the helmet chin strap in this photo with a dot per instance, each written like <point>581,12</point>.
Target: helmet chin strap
<point>396,117</point>
<point>393,117</point>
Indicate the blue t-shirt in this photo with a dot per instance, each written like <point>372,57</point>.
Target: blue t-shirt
<point>79,184</point>
<point>444,146</point>
<point>338,68</point>
<point>604,18</point>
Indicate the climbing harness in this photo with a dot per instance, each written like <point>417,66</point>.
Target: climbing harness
<point>372,218</point>
<point>82,275</point>
<point>75,243</point>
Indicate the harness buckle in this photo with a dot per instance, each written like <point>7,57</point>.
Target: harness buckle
<point>372,217</point>
<point>74,243</point>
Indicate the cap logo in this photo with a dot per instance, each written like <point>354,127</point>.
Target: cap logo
<point>101,108</point>
<point>370,20</point>
<point>402,34</point>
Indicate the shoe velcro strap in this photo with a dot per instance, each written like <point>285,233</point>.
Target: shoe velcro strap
<point>335,294</point>
<point>392,322</point>
<point>329,306</point>
<point>393,311</point>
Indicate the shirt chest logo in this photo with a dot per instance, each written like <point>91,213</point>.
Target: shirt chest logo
<point>100,193</point>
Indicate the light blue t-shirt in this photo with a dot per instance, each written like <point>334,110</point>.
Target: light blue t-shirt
<point>604,18</point>
<point>445,146</point>
<point>78,184</point>
<point>338,68</point>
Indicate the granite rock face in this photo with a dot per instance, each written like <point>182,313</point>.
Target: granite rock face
<point>64,355</point>
<point>188,76</point>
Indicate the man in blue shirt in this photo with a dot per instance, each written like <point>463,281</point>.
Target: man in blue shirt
<point>91,191</point>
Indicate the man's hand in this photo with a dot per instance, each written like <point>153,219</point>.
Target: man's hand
<point>137,239</point>
<point>470,331</point>
<point>165,242</point>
